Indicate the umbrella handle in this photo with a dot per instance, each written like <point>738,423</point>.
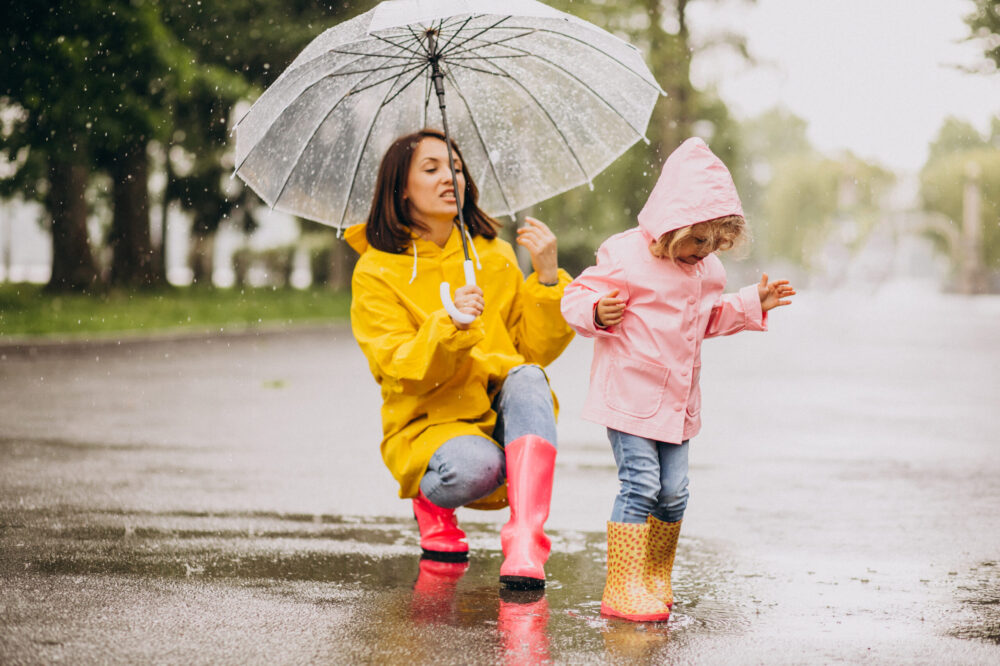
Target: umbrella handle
<point>449,305</point>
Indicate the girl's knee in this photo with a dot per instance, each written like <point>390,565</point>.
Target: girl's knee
<point>640,494</point>
<point>670,506</point>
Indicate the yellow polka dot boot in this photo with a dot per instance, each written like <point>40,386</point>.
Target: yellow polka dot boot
<point>625,593</point>
<point>661,546</point>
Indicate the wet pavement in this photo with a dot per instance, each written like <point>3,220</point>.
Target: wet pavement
<point>220,499</point>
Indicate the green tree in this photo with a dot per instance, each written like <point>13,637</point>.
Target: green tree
<point>809,197</point>
<point>984,24</point>
<point>955,136</point>
<point>766,141</point>
<point>46,57</point>
<point>942,189</point>
<point>659,28</point>
<point>93,80</point>
<point>958,154</point>
<point>256,40</point>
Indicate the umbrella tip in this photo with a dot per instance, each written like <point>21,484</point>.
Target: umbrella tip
<point>645,139</point>
<point>590,184</point>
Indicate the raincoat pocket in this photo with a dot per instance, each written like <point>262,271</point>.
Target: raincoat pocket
<point>635,387</point>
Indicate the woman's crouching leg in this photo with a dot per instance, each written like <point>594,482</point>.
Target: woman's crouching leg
<point>524,406</point>
<point>463,470</point>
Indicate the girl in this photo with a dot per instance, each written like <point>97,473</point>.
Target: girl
<point>468,416</point>
<point>654,295</point>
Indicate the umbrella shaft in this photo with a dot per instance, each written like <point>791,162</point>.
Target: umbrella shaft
<point>438,77</point>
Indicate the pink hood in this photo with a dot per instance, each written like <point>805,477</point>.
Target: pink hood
<point>694,186</point>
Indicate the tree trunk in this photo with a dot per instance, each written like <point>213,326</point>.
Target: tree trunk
<point>168,174</point>
<point>342,260</point>
<point>73,265</point>
<point>201,253</point>
<point>671,64</point>
<point>134,262</point>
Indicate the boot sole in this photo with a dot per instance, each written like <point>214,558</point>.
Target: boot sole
<point>522,583</point>
<point>444,556</point>
<point>607,611</point>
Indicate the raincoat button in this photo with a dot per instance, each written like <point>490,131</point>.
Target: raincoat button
<point>678,407</point>
<point>692,300</point>
<point>690,337</point>
<point>684,373</point>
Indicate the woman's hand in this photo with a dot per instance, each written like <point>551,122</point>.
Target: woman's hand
<point>610,310</point>
<point>771,294</point>
<point>468,299</point>
<point>540,243</point>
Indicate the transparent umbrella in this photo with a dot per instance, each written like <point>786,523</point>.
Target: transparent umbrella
<point>540,101</point>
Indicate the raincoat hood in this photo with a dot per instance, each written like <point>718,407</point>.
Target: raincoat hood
<point>694,186</point>
<point>355,237</point>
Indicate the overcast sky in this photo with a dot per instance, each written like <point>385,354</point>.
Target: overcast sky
<point>872,76</point>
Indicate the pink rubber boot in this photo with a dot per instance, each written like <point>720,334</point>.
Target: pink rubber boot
<point>530,467</point>
<point>440,537</point>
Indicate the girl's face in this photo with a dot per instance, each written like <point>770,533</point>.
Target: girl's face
<point>430,192</point>
<point>695,247</point>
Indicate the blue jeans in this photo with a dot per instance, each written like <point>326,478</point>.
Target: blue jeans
<point>470,467</point>
<point>653,476</point>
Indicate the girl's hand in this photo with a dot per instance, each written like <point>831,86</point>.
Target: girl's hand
<point>540,243</point>
<point>610,310</point>
<point>468,299</point>
<point>771,295</point>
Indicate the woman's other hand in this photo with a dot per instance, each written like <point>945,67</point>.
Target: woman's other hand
<point>468,299</point>
<point>771,294</point>
<point>540,243</point>
<point>610,310</point>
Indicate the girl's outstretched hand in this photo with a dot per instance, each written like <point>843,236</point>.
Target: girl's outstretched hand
<point>540,243</point>
<point>610,310</point>
<point>772,294</point>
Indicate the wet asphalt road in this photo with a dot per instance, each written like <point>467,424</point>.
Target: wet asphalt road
<point>220,499</point>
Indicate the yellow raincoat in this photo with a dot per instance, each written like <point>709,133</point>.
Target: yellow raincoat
<point>439,382</point>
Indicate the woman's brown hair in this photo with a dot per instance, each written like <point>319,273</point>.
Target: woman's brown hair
<point>389,223</point>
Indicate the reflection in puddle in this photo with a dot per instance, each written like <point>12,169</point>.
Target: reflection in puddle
<point>404,605</point>
<point>364,583</point>
<point>522,622</point>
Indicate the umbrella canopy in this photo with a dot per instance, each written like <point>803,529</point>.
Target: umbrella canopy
<point>540,101</point>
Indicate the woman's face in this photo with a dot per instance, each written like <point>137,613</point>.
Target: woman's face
<point>429,191</point>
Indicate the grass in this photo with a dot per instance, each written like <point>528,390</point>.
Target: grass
<point>28,311</point>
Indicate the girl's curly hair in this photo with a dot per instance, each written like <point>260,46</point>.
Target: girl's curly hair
<point>722,233</point>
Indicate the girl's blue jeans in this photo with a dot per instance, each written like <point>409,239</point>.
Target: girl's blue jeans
<point>470,467</point>
<point>653,476</point>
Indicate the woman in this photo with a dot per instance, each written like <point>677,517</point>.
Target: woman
<point>466,407</point>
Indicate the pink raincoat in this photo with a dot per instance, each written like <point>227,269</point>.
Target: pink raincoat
<point>644,376</point>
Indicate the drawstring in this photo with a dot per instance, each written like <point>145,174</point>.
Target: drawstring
<point>413,275</point>
<point>473,246</point>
